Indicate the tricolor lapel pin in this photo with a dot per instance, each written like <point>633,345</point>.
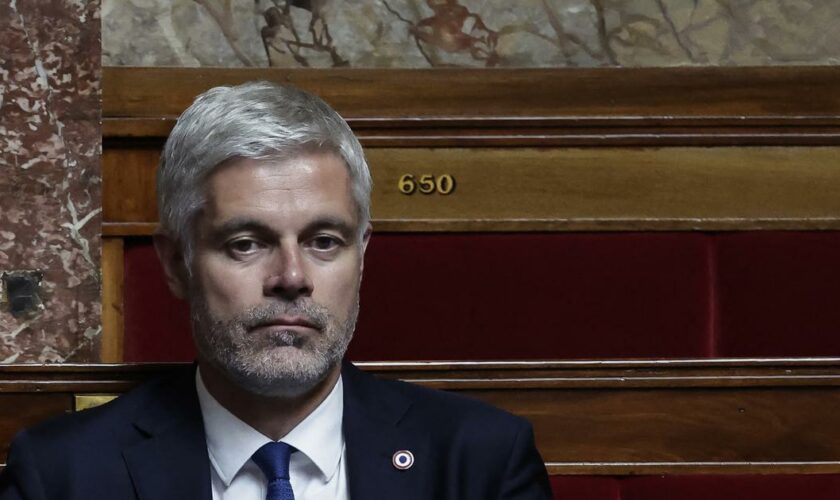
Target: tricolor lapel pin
<point>403,460</point>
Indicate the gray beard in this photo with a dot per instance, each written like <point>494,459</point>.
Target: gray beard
<point>280,364</point>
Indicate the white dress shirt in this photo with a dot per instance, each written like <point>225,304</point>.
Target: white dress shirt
<point>317,471</point>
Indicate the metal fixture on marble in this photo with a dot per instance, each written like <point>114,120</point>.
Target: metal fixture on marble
<point>20,292</point>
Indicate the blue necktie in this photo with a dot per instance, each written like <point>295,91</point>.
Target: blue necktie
<point>273,460</point>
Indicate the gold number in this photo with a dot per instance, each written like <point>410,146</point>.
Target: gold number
<point>445,184</point>
<point>406,184</point>
<point>426,184</point>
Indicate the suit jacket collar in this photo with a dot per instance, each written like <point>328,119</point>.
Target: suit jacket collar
<point>172,461</point>
<point>375,428</point>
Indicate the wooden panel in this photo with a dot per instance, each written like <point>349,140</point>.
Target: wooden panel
<point>585,430</point>
<point>128,185</point>
<point>111,347</point>
<point>466,107</point>
<point>616,417</point>
<point>534,189</point>
<point>373,93</point>
<point>21,410</point>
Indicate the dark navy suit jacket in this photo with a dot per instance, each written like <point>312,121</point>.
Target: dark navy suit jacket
<point>149,444</point>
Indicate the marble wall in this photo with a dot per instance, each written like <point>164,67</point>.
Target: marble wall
<point>472,33</point>
<point>50,180</point>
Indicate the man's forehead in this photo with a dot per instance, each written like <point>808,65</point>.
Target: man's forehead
<point>311,186</point>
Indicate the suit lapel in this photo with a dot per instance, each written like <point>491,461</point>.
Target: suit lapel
<point>374,430</point>
<point>172,462</point>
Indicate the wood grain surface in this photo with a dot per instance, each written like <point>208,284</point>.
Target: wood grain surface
<point>19,410</point>
<point>113,260</point>
<point>557,189</point>
<point>770,92</point>
<point>590,417</point>
<point>515,107</point>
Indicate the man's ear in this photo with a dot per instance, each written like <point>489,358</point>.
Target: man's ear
<point>174,267</point>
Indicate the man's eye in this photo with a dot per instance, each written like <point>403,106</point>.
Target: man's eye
<point>324,243</point>
<point>243,247</point>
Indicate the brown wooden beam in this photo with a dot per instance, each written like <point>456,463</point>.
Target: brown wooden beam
<point>519,107</point>
<point>766,416</point>
<point>557,189</point>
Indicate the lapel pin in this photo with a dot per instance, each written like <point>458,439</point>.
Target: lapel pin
<point>403,460</point>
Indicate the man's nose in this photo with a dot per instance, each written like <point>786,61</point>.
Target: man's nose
<point>287,277</point>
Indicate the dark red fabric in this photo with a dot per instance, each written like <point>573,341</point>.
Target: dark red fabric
<point>730,487</point>
<point>698,487</point>
<point>488,296</point>
<point>531,296</point>
<point>157,325</point>
<point>585,488</point>
<point>560,295</point>
<point>778,294</point>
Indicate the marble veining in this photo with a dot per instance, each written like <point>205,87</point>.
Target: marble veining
<point>50,178</point>
<point>469,33</point>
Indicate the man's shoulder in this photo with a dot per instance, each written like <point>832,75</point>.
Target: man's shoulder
<point>449,413</point>
<point>452,407</point>
<point>103,426</point>
<point>81,454</point>
<point>473,444</point>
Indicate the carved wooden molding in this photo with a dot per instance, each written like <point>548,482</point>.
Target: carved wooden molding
<point>557,189</point>
<point>590,417</point>
<point>519,107</point>
<point>536,149</point>
<point>470,375</point>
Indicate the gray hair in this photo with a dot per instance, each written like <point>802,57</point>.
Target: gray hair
<point>256,120</point>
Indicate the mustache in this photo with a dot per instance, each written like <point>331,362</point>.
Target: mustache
<point>262,314</point>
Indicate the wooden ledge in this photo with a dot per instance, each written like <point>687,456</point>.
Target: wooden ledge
<point>471,375</point>
<point>518,107</point>
<point>720,416</point>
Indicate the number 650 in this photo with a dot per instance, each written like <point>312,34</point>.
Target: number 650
<point>426,184</point>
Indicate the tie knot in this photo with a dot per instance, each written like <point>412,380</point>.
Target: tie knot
<point>273,460</point>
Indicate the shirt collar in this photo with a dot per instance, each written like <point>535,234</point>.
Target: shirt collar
<point>231,442</point>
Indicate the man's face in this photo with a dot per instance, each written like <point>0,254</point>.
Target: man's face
<point>274,292</point>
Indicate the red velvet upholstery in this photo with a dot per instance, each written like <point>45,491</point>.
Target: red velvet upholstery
<point>520,296</point>
<point>157,325</point>
<point>698,487</point>
<point>559,295</point>
<point>488,296</point>
<point>586,487</point>
<point>779,294</point>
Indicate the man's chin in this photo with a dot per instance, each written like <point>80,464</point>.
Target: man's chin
<point>294,380</point>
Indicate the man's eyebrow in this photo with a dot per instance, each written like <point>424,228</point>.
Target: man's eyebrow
<point>344,227</point>
<point>238,224</point>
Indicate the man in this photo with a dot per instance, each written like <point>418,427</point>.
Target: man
<point>264,198</point>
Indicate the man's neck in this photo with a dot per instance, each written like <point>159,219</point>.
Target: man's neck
<point>272,417</point>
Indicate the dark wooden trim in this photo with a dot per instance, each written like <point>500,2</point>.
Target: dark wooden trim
<point>557,189</point>
<point>663,93</point>
<point>519,107</point>
<point>129,229</point>
<point>721,416</point>
<point>564,133</point>
<point>472,375</point>
<point>655,468</point>
<point>113,260</point>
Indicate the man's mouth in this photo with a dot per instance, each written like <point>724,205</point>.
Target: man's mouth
<point>290,322</point>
